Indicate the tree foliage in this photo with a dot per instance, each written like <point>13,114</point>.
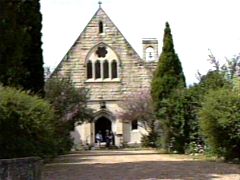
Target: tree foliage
<point>192,102</point>
<point>177,120</point>
<point>213,80</point>
<point>230,68</point>
<point>139,106</point>
<point>220,122</point>
<point>21,62</point>
<point>167,81</point>
<point>70,105</point>
<point>169,75</point>
<point>27,125</point>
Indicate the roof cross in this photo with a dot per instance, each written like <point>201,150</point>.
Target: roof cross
<point>100,3</point>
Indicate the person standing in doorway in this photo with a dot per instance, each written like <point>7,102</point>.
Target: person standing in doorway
<point>112,140</point>
<point>99,138</point>
<point>107,138</point>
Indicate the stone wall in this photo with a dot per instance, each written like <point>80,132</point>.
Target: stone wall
<point>21,168</point>
<point>134,73</point>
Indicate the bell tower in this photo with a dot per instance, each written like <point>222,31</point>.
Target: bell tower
<point>150,49</point>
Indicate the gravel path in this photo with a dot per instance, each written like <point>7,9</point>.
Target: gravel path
<point>133,165</point>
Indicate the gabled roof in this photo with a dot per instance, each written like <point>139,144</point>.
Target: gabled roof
<point>100,12</point>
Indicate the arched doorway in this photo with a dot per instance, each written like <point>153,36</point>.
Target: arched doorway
<point>103,124</point>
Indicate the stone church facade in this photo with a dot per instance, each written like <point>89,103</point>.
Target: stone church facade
<point>103,61</point>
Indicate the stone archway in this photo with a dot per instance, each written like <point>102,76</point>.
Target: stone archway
<point>103,124</point>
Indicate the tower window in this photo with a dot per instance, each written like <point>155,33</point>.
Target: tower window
<point>105,70</point>
<point>114,69</point>
<point>89,69</point>
<point>97,69</point>
<point>150,54</point>
<point>100,27</point>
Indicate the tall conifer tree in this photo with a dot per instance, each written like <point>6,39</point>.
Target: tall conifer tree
<point>168,75</point>
<point>167,80</point>
<point>21,61</point>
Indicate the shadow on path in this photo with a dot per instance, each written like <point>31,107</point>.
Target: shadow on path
<point>72,168</point>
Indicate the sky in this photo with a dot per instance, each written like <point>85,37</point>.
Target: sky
<point>197,26</point>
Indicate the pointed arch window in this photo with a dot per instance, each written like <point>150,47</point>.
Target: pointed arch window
<point>105,69</point>
<point>100,27</point>
<point>114,69</point>
<point>102,65</point>
<point>97,69</point>
<point>89,69</point>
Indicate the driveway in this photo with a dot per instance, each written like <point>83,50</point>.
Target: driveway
<point>133,165</point>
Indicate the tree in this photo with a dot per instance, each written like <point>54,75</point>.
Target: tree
<point>168,75</point>
<point>70,105</point>
<point>12,42</point>
<point>220,122</point>
<point>217,78</point>
<point>230,69</point>
<point>139,106</point>
<point>21,62</point>
<point>213,80</point>
<point>167,80</point>
<point>192,136</point>
<point>177,120</point>
<point>33,60</point>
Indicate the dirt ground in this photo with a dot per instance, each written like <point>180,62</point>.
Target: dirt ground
<point>133,165</point>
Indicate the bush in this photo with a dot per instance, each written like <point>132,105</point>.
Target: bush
<point>149,140</point>
<point>195,148</point>
<point>26,125</point>
<point>220,122</point>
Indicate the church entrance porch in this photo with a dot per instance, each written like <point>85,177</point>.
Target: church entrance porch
<point>85,134</point>
<point>102,125</point>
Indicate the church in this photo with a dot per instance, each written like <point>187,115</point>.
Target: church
<point>103,61</point>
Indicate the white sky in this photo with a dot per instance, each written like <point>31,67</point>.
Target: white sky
<point>197,25</point>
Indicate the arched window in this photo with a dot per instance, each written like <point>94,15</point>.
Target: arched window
<point>102,64</point>
<point>100,27</point>
<point>97,69</point>
<point>150,54</point>
<point>114,69</point>
<point>89,70</point>
<point>105,69</point>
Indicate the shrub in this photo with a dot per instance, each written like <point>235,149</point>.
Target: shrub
<point>195,148</point>
<point>26,125</point>
<point>220,122</point>
<point>149,140</point>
